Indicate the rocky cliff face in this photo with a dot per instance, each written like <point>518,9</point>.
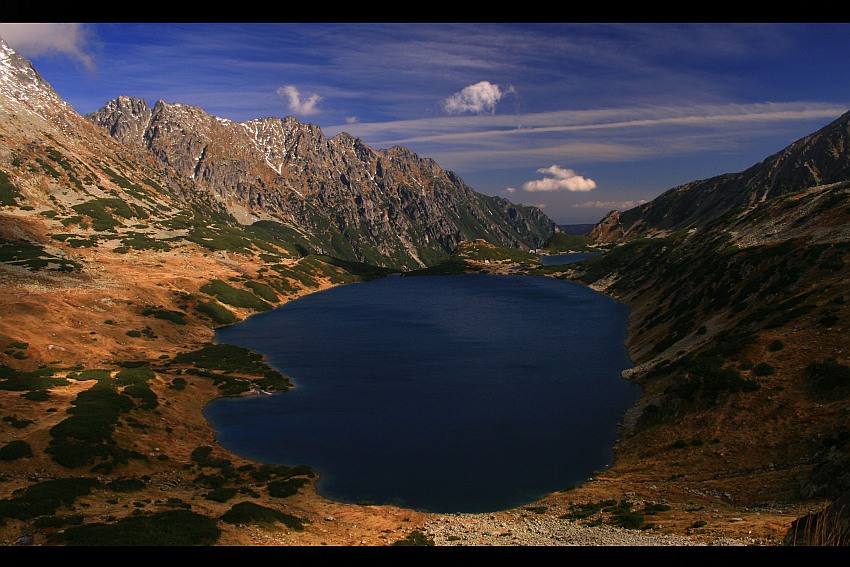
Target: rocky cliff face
<point>386,207</point>
<point>818,159</point>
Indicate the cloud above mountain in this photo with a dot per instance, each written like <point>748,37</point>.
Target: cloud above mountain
<point>480,98</point>
<point>559,179</point>
<point>33,40</point>
<point>297,105</point>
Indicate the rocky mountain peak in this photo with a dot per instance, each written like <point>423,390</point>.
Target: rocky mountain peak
<point>125,118</point>
<point>22,84</point>
<point>820,158</point>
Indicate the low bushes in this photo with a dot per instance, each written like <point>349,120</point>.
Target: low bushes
<point>172,527</point>
<point>44,498</point>
<point>14,450</point>
<point>250,513</point>
<point>226,293</point>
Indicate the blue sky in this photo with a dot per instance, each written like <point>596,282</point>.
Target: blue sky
<point>576,118</point>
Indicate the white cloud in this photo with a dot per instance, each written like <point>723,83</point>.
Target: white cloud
<point>510,190</point>
<point>33,40</point>
<point>352,120</point>
<point>296,105</point>
<point>610,205</point>
<point>480,98</point>
<point>561,180</point>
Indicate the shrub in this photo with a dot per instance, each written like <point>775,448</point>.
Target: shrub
<point>87,432</point>
<point>250,513</point>
<point>233,296</point>
<point>44,498</point>
<point>201,455</point>
<point>829,374</point>
<point>217,312</point>
<point>172,527</point>
<point>144,393</point>
<point>221,494</point>
<point>763,369</point>
<point>37,395</point>
<point>138,375</point>
<point>415,538</point>
<point>177,317</point>
<point>14,450</point>
<point>17,423</point>
<point>264,291</point>
<point>284,488</point>
<point>629,520</point>
<point>655,508</point>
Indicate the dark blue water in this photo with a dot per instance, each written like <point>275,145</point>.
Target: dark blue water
<point>566,258</point>
<point>468,393</point>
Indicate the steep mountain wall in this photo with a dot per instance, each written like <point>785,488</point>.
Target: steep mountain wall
<point>818,159</point>
<point>386,207</point>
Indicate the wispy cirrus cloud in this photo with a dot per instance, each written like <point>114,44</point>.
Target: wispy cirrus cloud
<point>717,116</point>
<point>600,135</point>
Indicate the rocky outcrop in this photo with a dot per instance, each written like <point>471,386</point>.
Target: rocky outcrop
<point>386,207</point>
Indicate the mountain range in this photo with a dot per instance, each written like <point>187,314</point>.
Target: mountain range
<point>128,235</point>
<point>388,208</point>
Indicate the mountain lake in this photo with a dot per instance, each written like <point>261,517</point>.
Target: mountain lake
<point>469,393</point>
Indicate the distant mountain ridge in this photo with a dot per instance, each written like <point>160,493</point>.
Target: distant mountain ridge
<point>817,159</point>
<point>386,207</point>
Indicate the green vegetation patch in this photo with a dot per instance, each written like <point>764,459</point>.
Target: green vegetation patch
<point>221,494</point>
<point>137,375</point>
<point>45,498</point>
<point>86,435</point>
<point>233,296</point>
<point>33,257</point>
<point>14,450</point>
<point>171,527</point>
<point>143,392</point>
<point>358,271</point>
<point>140,241</point>
<point>103,212</point>
<point>225,360</point>
<point>201,455</point>
<point>284,488</point>
<point>560,243</point>
<point>17,423</point>
<point>40,379</point>
<point>415,538</point>
<point>251,513</point>
<point>217,312</point>
<point>263,291</point>
<point>449,266</point>
<point>9,193</point>
<point>829,375</point>
<point>92,374</point>
<point>177,317</point>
